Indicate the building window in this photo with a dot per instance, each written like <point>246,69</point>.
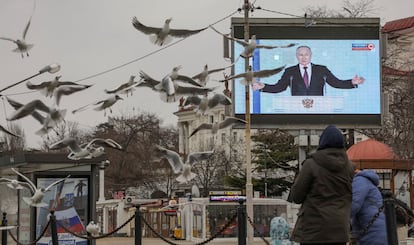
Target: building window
<point>234,136</point>
<point>223,138</point>
<point>211,119</point>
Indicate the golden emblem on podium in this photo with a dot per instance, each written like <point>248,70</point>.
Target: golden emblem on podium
<point>307,103</point>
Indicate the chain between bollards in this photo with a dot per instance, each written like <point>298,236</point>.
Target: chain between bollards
<point>4,232</point>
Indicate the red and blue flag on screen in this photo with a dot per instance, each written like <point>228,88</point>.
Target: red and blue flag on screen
<point>68,218</point>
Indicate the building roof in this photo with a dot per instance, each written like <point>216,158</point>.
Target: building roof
<point>370,149</point>
<point>397,25</point>
<point>386,70</point>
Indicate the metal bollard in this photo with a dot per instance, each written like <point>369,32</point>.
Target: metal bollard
<point>241,220</point>
<point>138,231</point>
<point>390,218</point>
<point>4,232</point>
<point>53,229</point>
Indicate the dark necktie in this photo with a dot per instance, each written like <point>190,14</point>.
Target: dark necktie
<point>305,77</point>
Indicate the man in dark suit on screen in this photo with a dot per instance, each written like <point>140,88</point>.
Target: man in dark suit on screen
<point>307,79</point>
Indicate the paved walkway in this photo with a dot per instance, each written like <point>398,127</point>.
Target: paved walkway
<point>156,241</point>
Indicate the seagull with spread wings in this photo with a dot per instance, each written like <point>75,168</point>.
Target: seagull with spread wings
<point>214,127</point>
<point>38,193</point>
<point>250,75</point>
<point>180,167</point>
<point>14,183</point>
<point>125,88</point>
<point>251,45</point>
<point>204,75</point>
<point>203,104</point>
<point>101,105</point>
<point>47,88</point>
<point>22,46</point>
<point>8,132</point>
<point>52,118</point>
<point>36,115</point>
<point>92,149</point>
<point>164,35</point>
<point>169,89</point>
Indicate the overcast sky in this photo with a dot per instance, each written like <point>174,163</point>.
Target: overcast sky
<point>91,37</point>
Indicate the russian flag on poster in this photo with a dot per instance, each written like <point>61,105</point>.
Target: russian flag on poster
<point>68,218</point>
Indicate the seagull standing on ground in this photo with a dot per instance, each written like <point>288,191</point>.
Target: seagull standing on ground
<point>177,165</point>
<point>214,127</point>
<point>162,36</point>
<point>38,193</point>
<point>250,75</point>
<point>22,46</point>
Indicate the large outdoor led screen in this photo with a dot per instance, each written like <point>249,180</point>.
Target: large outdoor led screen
<point>345,49</point>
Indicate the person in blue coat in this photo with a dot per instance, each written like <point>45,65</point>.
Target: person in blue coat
<point>366,203</point>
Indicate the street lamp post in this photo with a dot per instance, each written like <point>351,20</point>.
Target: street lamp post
<point>249,185</point>
<point>52,68</point>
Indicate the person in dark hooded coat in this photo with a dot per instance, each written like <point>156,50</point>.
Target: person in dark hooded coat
<point>324,188</point>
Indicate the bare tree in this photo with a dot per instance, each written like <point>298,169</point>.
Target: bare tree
<point>10,143</point>
<point>63,130</point>
<point>137,165</point>
<point>357,9</point>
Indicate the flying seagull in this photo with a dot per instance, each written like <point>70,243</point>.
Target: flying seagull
<point>22,46</point>
<point>36,115</point>
<point>14,184</point>
<point>67,90</point>
<point>92,228</point>
<point>92,149</point>
<point>52,118</point>
<point>169,89</point>
<point>203,76</point>
<point>38,193</point>
<point>203,104</point>
<point>185,79</point>
<point>251,45</point>
<point>214,127</point>
<point>8,132</point>
<point>250,75</point>
<point>48,87</point>
<point>125,88</point>
<point>162,36</point>
<point>178,166</point>
<point>101,105</point>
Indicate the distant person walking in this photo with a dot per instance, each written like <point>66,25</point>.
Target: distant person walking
<point>324,188</point>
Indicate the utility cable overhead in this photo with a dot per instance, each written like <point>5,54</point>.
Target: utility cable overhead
<point>149,54</point>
